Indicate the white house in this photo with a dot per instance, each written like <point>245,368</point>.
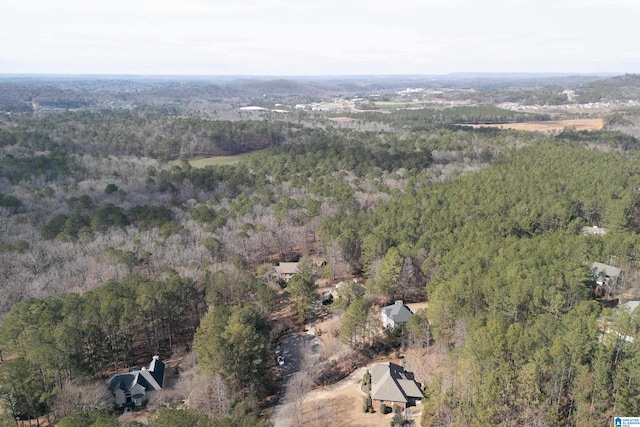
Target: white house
<point>395,315</point>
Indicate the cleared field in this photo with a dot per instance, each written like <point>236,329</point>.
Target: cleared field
<point>390,105</point>
<point>216,160</point>
<point>342,119</point>
<point>549,126</point>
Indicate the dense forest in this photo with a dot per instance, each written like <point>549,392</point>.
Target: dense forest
<point>114,248</point>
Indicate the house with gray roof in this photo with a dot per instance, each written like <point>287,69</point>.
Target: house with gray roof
<point>606,276</point>
<point>604,272</point>
<point>132,387</point>
<point>392,384</point>
<point>395,315</point>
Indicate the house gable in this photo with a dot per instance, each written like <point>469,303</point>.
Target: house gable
<point>121,397</point>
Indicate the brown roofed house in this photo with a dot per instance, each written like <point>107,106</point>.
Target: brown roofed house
<point>392,384</point>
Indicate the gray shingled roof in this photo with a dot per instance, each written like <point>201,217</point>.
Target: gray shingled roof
<point>398,312</point>
<point>390,382</point>
<point>156,367</point>
<point>150,379</point>
<point>122,381</point>
<point>598,268</point>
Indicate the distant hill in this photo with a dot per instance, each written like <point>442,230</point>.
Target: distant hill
<point>621,88</point>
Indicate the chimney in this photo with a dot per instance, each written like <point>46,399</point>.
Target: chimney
<point>399,302</point>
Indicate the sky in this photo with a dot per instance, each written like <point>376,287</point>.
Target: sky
<point>318,37</point>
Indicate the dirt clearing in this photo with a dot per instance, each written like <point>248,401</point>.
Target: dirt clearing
<point>341,405</point>
<point>549,126</point>
<point>415,306</point>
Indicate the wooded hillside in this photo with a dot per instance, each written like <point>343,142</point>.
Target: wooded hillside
<point>111,250</point>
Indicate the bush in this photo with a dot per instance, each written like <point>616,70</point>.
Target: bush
<point>368,407</point>
<point>383,408</point>
<point>366,381</point>
<point>397,420</point>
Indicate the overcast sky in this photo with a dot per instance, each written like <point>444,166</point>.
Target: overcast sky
<point>318,37</point>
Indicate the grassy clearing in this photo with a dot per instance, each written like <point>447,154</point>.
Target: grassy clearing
<point>216,161</point>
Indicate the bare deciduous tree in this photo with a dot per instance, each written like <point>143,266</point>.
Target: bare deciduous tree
<point>298,386</point>
<point>76,398</point>
<point>209,393</point>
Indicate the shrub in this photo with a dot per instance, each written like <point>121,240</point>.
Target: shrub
<point>397,420</point>
<point>383,408</point>
<point>366,381</point>
<point>368,407</point>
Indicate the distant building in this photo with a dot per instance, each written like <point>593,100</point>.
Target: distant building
<point>132,387</point>
<point>594,231</point>
<point>395,315</point>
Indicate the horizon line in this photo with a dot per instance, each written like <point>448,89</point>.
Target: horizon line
<point>379,75</point>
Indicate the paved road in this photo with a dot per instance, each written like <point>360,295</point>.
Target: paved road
<point>293,349</point>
